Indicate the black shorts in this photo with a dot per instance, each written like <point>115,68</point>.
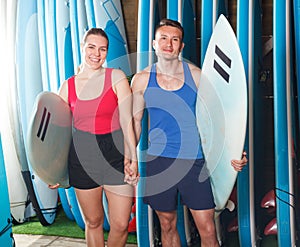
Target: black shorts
<point>168,177</point>
<point>96,160</point>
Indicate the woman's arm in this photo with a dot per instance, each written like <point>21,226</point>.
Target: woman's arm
<point>123,92</point>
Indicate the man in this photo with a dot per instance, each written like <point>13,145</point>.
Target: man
<point>168,90</point>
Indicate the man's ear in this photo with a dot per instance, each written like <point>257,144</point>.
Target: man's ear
<point>182,46</point>
<point>153,43</point>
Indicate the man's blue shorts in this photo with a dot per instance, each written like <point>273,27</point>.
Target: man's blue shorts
<point>166,177</point>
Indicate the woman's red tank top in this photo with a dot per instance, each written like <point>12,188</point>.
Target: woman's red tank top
<point>99,115</point>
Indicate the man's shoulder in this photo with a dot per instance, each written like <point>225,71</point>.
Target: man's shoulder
<point>193,67</point>
<point>140,79</point>
<point>143,74</point>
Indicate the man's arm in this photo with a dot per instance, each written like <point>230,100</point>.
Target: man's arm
<point>139,83</point>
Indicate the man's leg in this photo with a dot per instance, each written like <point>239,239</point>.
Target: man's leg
<point>169,233</point>
<point>204,220</point>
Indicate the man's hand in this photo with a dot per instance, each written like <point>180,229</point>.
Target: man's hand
<point>238,165</point>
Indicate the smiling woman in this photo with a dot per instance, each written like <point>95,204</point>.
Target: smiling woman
<point>102,155</point>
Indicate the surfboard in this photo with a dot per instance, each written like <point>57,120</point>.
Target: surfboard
<point>210,12</point>
<point>217,112</point>
<point>64,65</point>
<point>65,203</point>
<point>145,35</point>
<point>48,138</point>
<point>108,16</point>
<point>64,41</point>
<point>6,238</point>
<point>297,42</point>
<point>297,69</point>
<point>11,141</point>
<point>41,15</point>
<point>245,183</point>
<point>79,25</point>
<point>63,45</point>
<point>29,84</point>
<point>51,43</point>
<point>207,24</point>
<point>282,65</point>
<point>184,12</point>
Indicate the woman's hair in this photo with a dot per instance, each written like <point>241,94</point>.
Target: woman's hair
<point>169,22</point>
<point>95,31</point>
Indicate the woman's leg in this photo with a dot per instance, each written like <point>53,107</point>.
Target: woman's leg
<point>91,205</point>
<point>119,198</point>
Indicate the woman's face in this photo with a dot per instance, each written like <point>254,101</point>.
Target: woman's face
<point>95,51</point>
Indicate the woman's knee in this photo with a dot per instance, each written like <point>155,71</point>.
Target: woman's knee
<point>94,222</point>
<point>120,225</point>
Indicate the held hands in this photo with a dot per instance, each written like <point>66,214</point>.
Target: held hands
<point>131,171</point>
<point>238,165</point>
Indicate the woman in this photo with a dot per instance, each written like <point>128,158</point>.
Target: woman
<point>102,155</point>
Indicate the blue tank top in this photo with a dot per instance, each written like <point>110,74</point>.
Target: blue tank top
<point>173,130</point>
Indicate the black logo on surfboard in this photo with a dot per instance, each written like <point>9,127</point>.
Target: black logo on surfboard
<point>42,131</point>
<point>227,62</point>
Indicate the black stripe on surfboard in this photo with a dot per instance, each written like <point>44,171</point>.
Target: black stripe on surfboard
<point>227,61</point>
<point>221,71</point>
<point>44,127</point>
<point>223,56</point>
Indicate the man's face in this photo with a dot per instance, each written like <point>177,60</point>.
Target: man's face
<point>168,42</point>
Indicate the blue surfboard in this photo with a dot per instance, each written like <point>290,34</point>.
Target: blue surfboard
<point>65,66</point>
<point>43,44</point>
<point>108,16</point>
<point>297,42</point>
<point>145,35</point>
<point>210,12</point>
<point>78,20</point>
<point>52,49</point>
<point>245,183</point>
<point>207,25</point>
<point>184,12</point>
<point>283,123</point>
<point>6,238</point>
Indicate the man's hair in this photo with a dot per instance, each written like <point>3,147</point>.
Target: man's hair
<point>172,23</point>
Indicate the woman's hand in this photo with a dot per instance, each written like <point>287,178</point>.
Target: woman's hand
<point>238,165</point>
<point>131,172</point>
<point>55,186</point>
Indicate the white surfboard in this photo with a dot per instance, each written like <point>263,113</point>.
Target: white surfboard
<point>49,137</point>
<point>222,110</point>
<point>18,195</point>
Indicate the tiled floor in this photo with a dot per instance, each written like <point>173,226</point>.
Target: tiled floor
<point>49,241</point>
